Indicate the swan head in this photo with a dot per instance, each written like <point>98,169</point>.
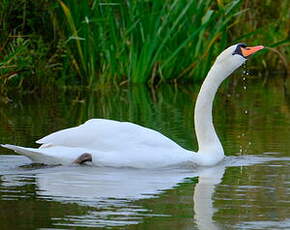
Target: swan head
<point>234,56</point>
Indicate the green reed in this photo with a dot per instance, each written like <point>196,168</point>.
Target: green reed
<point>70,42</point>
<point>145,41</point>
<point>267,25</point>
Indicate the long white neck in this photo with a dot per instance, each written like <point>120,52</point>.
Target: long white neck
<point>204,128</point>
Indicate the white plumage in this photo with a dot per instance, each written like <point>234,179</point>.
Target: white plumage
<point>111,143</point>
<point>124,144</point>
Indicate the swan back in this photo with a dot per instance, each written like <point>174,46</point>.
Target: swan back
<point>107,135</point>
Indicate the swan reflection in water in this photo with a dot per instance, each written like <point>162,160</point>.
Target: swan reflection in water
<point>107,187</point>
<point>111,192</point>
<point>202,197</point>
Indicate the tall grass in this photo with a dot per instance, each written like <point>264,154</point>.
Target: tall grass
<point>25,44</point>
<point>85,42</point>
<point>145,41</point>
<point>268,25</point>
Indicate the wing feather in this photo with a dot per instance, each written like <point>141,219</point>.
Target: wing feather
<point>107,135</point>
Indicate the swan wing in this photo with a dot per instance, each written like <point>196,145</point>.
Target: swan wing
<point>108,135</point>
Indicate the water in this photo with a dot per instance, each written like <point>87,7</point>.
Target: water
<point>249,190</point>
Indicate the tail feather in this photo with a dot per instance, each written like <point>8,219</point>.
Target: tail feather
<point>32,153</point>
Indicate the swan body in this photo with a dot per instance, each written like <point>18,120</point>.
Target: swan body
<point>111,143</point>
<point>124,144</point>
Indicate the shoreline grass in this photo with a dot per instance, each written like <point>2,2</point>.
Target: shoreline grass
<point>90,42</point>
<point>141,41</point>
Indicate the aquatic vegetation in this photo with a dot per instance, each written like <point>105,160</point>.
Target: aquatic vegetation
<point>28,54</point>
<point>89,42</point>
<point>14,59</point>
<point>268,25</point>
<point>143,41</point>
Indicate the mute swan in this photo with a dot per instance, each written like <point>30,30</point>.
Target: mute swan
<point>124,144</point>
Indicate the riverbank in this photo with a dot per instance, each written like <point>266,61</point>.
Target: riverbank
<point>98,42</point>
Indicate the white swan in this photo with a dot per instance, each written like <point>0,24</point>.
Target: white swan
<point>123,144</point>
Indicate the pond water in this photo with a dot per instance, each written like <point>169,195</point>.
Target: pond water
<point>249,190</point>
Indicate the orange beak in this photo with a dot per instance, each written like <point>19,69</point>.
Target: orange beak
<point>250,50</point>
